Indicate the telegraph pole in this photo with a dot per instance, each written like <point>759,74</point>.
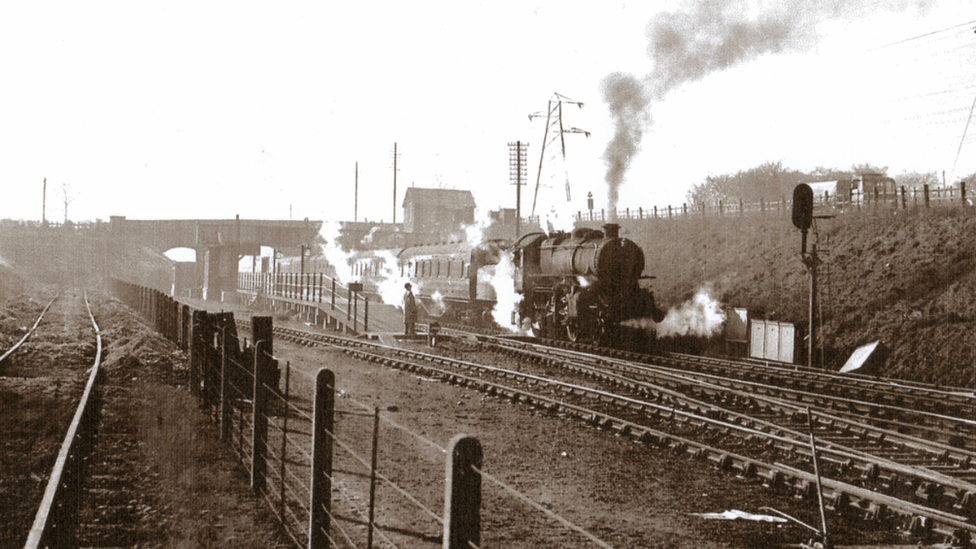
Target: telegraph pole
<point>44,205</point>
<point>517,170</point>
<point>395,156</point>
<point>355,203</point>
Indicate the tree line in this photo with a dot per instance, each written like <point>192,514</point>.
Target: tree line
<point>772,181</point>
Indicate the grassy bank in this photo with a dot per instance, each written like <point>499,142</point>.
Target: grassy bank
<point>905,277</point>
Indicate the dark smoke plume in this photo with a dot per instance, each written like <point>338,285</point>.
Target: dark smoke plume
<point>710,36</point>
<point>628,101</point>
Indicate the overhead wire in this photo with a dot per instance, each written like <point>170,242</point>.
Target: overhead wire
<point>920,36</point>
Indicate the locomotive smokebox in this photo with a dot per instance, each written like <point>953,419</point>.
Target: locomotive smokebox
<point>611,230</point>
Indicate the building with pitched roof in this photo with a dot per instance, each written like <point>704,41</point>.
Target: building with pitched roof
<point>436,215</point>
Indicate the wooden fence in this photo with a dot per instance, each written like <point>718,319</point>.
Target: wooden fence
<point>903,198</point>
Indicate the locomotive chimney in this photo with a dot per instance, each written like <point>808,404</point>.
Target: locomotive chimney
<point>611,230</point>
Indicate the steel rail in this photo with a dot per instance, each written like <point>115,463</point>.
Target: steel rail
<point>898,419</point>
<point>887,445</point>
<point>935,398</point>
<point>843,493</point>
<point>31,331</point>
<point>840,495</point>
<point>46,525</point>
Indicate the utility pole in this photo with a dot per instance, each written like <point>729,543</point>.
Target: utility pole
<point>395,156</point>
<point>44,205</point>
<point>355,203</point>
<point>67,200</point>
<point>554,124</point>
<point>517,171</point>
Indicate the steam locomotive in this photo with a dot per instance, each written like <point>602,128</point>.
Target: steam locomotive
<point>576,286</point>
<point>581,285</point>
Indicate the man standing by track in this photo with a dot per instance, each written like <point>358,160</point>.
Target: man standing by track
<point>409,310</point>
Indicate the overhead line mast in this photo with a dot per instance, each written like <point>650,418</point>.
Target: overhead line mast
<point>554,120</point>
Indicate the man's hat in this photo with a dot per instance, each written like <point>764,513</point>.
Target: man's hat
<point>407,285</point>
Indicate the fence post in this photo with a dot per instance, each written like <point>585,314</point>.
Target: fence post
<point>284,438</point>
<point>372,478</point>
<point>962,192</point>
<point>198,350</point>
<point>904,203</point>
<point>323,418</point>
<point>721,208</point>
<point>741,207</point>
<point>224,385</point>
<point>462,493</point>
<point>925,189</point>
<point>262,328</point>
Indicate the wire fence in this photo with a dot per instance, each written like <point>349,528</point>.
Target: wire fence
<point>313,457</point>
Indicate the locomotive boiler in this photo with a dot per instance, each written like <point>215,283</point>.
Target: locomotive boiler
<point>581,285</point>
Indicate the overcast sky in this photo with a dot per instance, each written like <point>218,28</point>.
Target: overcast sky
<point>212,109</point>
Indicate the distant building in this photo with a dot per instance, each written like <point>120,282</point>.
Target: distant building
<point>436,215</point>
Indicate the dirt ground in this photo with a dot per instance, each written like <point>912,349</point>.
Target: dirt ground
<point>186,490</point>
<point>620,492</point>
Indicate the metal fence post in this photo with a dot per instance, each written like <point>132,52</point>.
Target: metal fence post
<point>322,444</point>
<point>263,355</point>
<point>224,386</point>
<point>462,493</point>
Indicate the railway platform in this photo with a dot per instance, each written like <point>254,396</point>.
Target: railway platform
<point>356,316</point>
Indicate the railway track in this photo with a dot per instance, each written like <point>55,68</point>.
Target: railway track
<point>897,480</point>
<point>860,390</point>
<point>64,347</point>
<point>886,461</point>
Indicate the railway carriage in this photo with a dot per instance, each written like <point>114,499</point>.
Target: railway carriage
<point>451,281</point>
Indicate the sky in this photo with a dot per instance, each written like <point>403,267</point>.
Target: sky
<point>207,110</point>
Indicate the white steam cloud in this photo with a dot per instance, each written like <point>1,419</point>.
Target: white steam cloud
<point>701,316</point>
<point>506,300</point>
<point>391,288</point>
<point>333,253</point>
